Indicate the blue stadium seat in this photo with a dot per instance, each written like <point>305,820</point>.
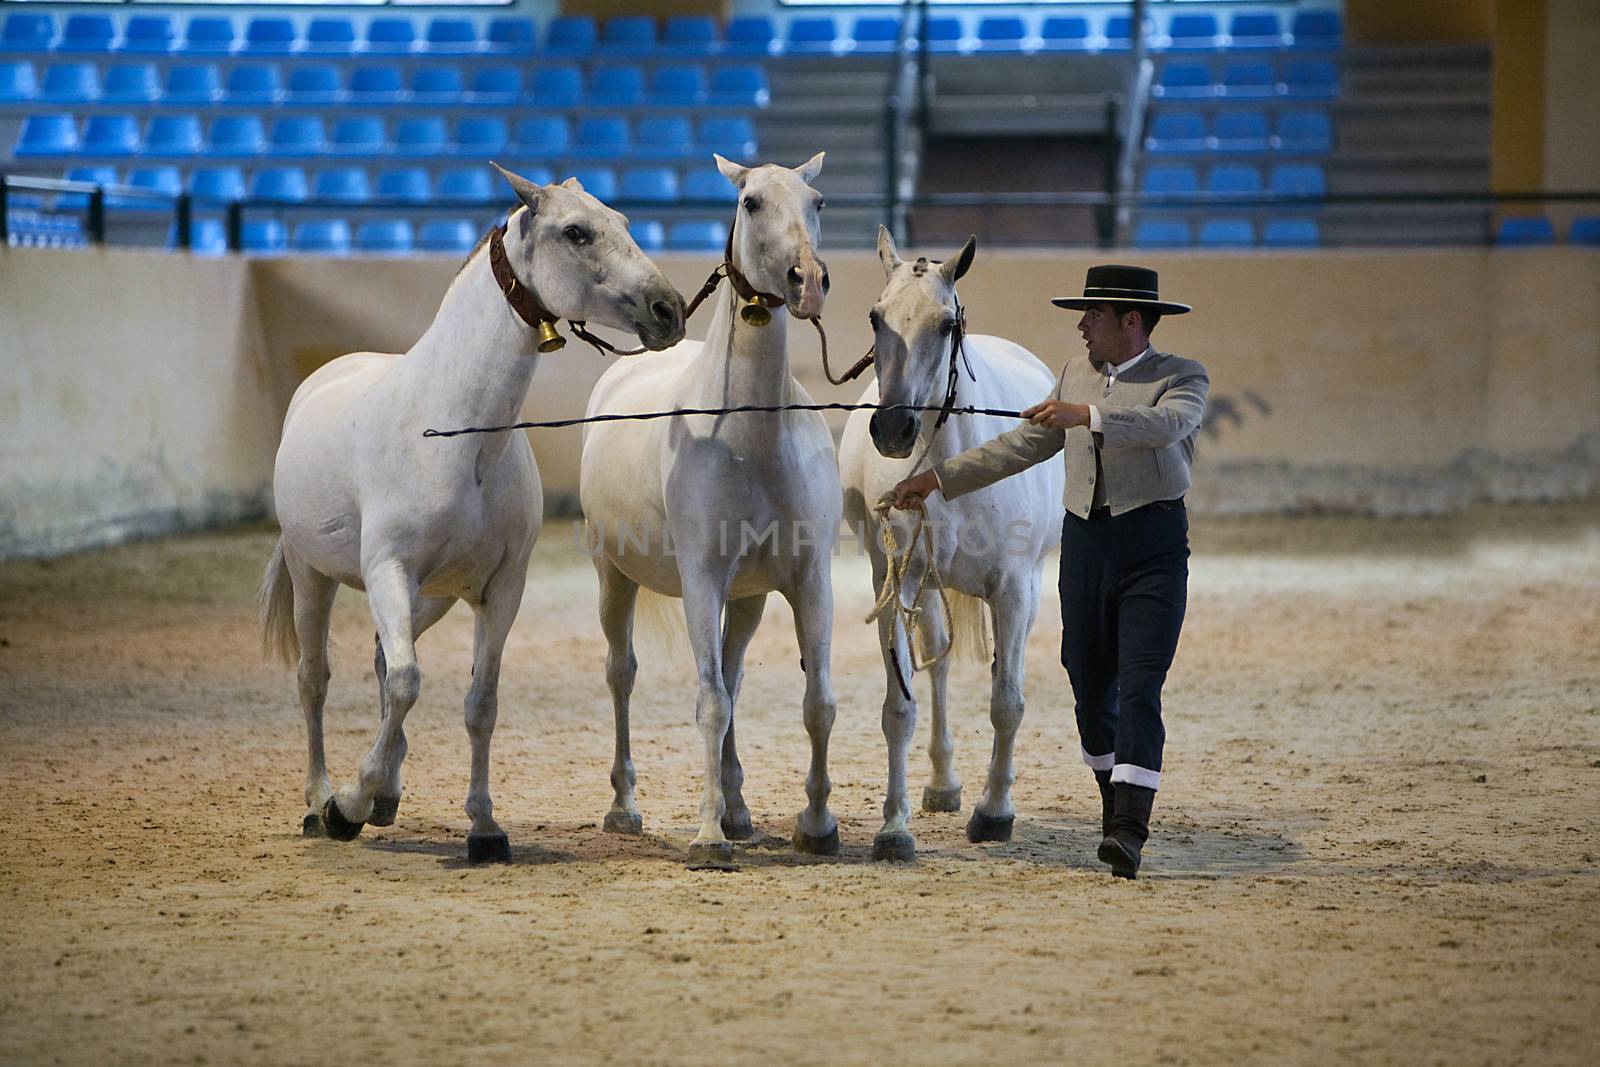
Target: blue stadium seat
<point>1311,79</point>
<point>216,183</point>
<point>537,173</point>
<point>615,87</point>
<point>1004,34</point>
<point>99,175</point>
<point>1248,81</point>
<point>384,236</point>
<point>1193,33</point>
<point>1524,233</point>
<point>543,137</point>
<point>150,34</point>
<point>496,86</point>
<point>127,83</point>
<point>1585,230</point>
<point>263,236</point>
<point>651,185</point>
<point>648,234</point>
<point>27,31</point>
<point>570,36</point>
<point>945,35</point>
<point>437,84</point>
<point>1290,233</point>
<point>207,237</point>
<point>347,185</point>
<point>602,138</point>
<point>1297,179</point>
<point>297,136</point>
<point>1162,233</point>
<point>697,235</point>
<point>358,135</point>
<point>750,35</point>
<point>1227,233</point>
<point>322,237</point>
<point>408,184</point>
<point>557,85</point>
<point>1258,30</point>
<point>707,184</point>
<point>484,138</point>
<point>1119,33</point>
<point>174,137</point>
<point>598,182</point>
<point>424,136</point>
<point>446,235</point>
<point>451,36</point>
<point>1241,131</point>
<point>376,85</point>
<point>87,33</point>
<point>1170,179</point>
<point>739,85</point>
<point>330,36</point>
<point>1317,29</point>
<point>689,35</point>
<point>192,83</point>
<point>285,184</point>
<point>1064,33</point>
<point>1304,131</point>
<point>1176,132</point>
<point>18,82</point>
<point>663,138</point>
<point>391,37</point>
<point>235,135</point>
<point>110,135</point>
<point>628,35</point>
<point>70,83</point>
<point>253,84</point>
<point>165,180</point>
<point>874,35</point>
<point>678,85</point>
<point>1184,81</point>
<point>47,135</point>
<point>732,138</point>
<point>464,185</point>
<point>511,37</point>
<point>269,35</point>
<point>208,35</point>
<point>1234,179</point>
<point>314,85</point>
<point>812,35</point>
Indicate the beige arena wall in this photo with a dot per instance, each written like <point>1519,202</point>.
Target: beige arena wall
<point>142,392</point>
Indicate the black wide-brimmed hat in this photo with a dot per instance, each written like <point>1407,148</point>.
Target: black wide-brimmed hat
<point>1117,284</point>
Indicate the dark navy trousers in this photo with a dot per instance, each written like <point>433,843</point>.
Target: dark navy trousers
<point>1124,587</point>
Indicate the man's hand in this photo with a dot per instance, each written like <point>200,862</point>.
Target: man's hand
<point>914,490</point>
<point>1057,414</point>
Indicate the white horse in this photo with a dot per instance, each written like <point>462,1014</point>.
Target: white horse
<point>366,501</point>
<point>989,544</point>
<point>728,508</point>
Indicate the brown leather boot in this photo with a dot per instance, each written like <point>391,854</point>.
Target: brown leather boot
<point>1107,801</point>
<point>1130,829</point>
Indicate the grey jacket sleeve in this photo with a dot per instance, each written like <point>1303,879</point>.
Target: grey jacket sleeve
<point>1172,418</point>
<point>1011,452</point>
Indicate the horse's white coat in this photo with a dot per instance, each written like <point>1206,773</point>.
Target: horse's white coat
<point>989,544</point>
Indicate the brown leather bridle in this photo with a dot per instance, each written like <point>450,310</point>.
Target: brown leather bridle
<point>535,314</point>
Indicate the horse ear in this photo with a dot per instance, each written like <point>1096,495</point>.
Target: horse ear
<point>953,269</point>
<point>812,167</point>
<point>526,191</point>
<point>731,171</point>
<point>573,183</point>
<point>886,251</point>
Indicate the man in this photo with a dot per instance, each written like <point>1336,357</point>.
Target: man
<point>1126,419</point>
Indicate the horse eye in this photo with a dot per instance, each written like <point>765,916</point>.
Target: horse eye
<point>821,203</point>
<point>576,235</point>
<point>874,318</point>
<point>947,326</point>
<point>752,205</point>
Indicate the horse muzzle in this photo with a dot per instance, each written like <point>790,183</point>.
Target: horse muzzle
<point>663,323</point>
<point>894,432</point>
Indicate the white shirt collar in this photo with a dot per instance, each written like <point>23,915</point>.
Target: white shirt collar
<point>1113,370</point>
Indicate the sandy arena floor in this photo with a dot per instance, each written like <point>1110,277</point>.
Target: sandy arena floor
<point>1377,840</point>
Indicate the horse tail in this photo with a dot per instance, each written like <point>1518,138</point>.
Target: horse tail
<point>660,634</point>
<point>276,606</point>
<point>970,638</point>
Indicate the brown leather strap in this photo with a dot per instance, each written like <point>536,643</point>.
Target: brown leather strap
<point>706,290</point>
<point>855,370</point>
<point>580,330</point>
<point>521,298</point>
<point>741,284</point>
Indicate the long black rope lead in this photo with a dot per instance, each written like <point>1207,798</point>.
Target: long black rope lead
<point>556,424</point>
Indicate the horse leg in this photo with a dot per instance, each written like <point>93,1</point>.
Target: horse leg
<point>816,830</point>
<point>617,595</point>
<point>943,791</point>
<point>1013,605</point>
<point>894,842</point>
<point>703,602</point>
<point>486,842</point>
<point>313,607</point>
<point>739,626</point>
<point>424,613</point>
<point>390,593</point>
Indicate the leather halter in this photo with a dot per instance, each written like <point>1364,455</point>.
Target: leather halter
<point>958,337</point>
<point>527,305</point>
<point>736,278</point>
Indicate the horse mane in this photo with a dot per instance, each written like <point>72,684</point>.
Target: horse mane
<point>484,240</point>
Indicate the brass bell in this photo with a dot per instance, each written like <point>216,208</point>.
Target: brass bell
<point>755,312</point>
<point>549,340</point>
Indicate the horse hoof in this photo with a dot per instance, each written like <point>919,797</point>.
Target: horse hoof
<point>982,827</point>
<point>384,810</point>
<point>896,847</point>
<point>488,848</point>
<point>737,827</point>
<point>710,856</point>
<point>311,825</point>
<point>941,799</point>
<point>623,822</point>
<point>825,845</point>
<point>338,827</point>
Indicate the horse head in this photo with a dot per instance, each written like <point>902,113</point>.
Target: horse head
<point>776,232</point>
